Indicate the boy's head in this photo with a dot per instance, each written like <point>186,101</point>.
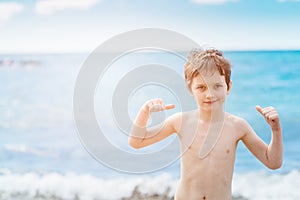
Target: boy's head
<point>206,62</point>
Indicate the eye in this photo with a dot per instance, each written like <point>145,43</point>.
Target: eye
<point>218,86</point>
<point>201,87</point>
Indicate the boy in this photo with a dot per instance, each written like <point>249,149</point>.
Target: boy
<point>208,135</point>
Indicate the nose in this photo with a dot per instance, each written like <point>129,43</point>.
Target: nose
<point>209,94</point>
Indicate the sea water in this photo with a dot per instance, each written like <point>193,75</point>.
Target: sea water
<point>42,153</point>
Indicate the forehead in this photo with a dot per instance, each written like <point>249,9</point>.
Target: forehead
<point>208,79</point>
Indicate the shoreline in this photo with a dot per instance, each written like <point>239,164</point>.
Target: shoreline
<point>72,186</point>
<point>136,195</point>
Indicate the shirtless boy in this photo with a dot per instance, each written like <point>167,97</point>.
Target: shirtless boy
<point>208,135</point>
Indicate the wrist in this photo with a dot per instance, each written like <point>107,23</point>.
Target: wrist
<point>145,110</point>
<point>276,128</point>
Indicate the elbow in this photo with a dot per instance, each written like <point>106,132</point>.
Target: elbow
<point>134,143</point>
<point>275,165</point>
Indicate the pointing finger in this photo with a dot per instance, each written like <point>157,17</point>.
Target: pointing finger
<point>169,106</point>
<point>259,109</point>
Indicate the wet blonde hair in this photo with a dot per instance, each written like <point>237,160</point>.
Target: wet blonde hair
<point>201,61</point>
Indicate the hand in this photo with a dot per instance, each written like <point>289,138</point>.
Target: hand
<point>271,116</point>
<point>156,105</point>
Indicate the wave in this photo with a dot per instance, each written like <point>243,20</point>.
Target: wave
<point>72,186</point>
<point>31,185</point>
<point>263,185</point>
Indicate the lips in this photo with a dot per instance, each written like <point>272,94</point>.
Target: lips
<point>210,102</point>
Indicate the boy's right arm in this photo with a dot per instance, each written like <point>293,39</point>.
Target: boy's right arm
<point>140,135</point>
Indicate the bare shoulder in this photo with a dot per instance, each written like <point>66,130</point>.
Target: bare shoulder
<point>238,123</point>
<point>178,120</point>
<point>174,121</point>
<point>182,116</point>
<point>235,119</point>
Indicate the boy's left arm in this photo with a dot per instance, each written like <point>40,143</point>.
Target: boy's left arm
<point>270,155</point>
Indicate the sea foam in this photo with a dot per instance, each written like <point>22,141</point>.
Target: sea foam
<point>87,187</point>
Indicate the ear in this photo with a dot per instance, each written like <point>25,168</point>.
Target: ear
<point>229,88</point>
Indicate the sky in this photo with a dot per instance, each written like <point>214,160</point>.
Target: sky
<point>42,26</point>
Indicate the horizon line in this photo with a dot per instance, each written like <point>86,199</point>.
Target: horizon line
<point>88,52</point>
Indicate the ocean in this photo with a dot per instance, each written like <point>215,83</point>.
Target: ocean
<point>44,155</point>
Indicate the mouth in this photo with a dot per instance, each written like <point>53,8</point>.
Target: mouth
<point>210,102</point>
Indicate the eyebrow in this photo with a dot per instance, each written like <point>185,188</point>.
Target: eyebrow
<point>200,84</point>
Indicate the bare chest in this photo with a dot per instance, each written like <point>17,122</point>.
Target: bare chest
<point>214,141</point>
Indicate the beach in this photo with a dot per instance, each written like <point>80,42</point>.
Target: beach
<point>43,157</point>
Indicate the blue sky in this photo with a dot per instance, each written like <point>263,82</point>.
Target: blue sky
<point>82,25</point>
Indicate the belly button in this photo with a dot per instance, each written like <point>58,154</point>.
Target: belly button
<point>227,151</point>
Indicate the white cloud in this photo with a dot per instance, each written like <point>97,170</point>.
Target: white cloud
<point>212,1</point>
<point>48,7</point>
<point>22,148</point>
<point>8,9</point>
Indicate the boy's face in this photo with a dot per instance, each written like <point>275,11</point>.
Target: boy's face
<point>210,91</point>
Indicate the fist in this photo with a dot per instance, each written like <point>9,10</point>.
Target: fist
<point>271,116</point>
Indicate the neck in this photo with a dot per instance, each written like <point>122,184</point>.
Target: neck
<point>212,116</point>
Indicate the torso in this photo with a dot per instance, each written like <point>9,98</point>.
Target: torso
<point>207,176</point>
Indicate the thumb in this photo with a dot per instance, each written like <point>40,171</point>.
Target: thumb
<point>169,106</point>
<point>259,109</point>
